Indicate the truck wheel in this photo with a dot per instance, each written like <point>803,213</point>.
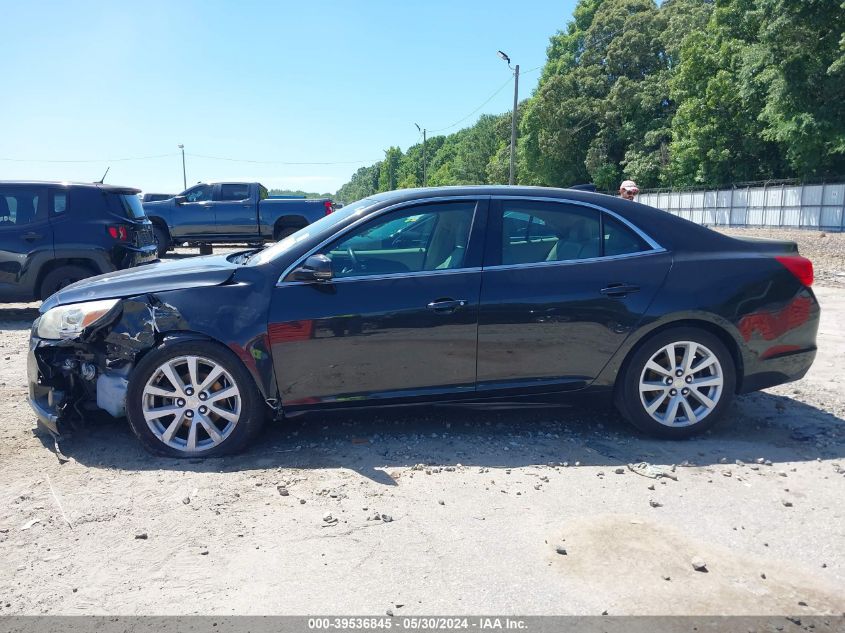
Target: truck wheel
<point>282,231</point>
<point>205,249</point>
<point>62,276</point>
<point>162,239</point>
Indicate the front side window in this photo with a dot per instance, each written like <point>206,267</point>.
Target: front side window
<point>422,238</point>
<point>234,193</point>
<point>18,206</point>
<point>545,232</point>
<point>200,193</point>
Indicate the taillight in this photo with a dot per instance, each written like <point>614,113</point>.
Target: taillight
<point>799,266</point>
<point>328,205</point>
<point>118,232</point>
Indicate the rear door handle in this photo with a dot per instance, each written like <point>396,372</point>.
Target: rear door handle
<point>31,237</point>
<point>619,289</point>
<point>446,306</point>
<point>205,204</point>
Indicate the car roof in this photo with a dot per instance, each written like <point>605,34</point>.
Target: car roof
<point>670,231</point>
<point>95,185</point>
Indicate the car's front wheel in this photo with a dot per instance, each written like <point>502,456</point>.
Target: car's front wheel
<point>193,398</point>
<point>677,384</point>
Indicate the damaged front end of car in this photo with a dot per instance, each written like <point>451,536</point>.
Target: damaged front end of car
<point>81,354</point>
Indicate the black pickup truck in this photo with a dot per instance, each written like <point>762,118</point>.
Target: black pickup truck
<point>230,212</point>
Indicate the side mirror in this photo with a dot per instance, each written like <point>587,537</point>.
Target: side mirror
<point>180,199</point>
<point>315,268</point>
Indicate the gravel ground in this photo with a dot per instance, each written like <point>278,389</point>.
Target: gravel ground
<point>438,511</point>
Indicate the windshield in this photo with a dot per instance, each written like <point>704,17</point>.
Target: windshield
<point>323,225</point>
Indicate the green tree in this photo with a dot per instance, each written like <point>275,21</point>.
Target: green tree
<point>681,92</point>
<point>389,169</point>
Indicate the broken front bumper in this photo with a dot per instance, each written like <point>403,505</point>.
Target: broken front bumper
<point>44,399</point>
<point>66,377</point>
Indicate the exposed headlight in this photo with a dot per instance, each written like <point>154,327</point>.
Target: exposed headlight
<point>69,321</point>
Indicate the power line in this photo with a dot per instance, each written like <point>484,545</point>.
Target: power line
<point>157,156</point>
<point>280,162</point>
<point>86,160</point>
<point>488,100</point>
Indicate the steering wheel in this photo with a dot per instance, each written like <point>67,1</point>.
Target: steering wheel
<point>353,258</point>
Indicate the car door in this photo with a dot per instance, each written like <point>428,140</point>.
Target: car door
<point>26,239</point>
<point>398,319</point>
<point>564,284</point>
<point>235,211</point>
<point>195,216</point>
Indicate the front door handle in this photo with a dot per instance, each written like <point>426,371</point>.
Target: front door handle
<point>205,204</point>
<point>619,289</point>
<point>31,237</point>
<point>446,306</point>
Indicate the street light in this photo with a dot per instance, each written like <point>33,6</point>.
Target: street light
<point>515,69</point>
<point>425,179</point>
<point>184,175</point>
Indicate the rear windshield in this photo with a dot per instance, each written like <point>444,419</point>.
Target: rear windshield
<point>132,206</point>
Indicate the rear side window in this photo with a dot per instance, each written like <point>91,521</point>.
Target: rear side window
<point>548,231</point>
<point>58,202</point>
<point>620,239</point>
<point>233,193</point>
<point>19,206</point>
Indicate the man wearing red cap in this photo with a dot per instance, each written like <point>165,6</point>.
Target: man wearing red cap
<point>628,189</point>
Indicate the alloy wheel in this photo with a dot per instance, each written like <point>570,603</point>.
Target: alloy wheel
<point>681,384</point>
<point>191,403</point>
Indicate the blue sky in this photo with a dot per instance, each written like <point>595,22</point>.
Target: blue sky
<point>262,81</point>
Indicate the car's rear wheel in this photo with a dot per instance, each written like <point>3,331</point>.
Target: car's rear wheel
<point>677,384</point>
<point>193,398</point>
<point>63,276</point>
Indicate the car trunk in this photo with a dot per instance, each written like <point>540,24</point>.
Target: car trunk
<point>766,245</point>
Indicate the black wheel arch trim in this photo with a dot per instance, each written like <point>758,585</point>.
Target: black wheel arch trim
<point>707,321</point>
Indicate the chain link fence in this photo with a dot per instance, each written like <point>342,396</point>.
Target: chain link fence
<point>805,206</point>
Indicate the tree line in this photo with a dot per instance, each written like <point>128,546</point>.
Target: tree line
<point>677,94</point>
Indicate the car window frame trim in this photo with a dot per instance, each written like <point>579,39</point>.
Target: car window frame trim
<point>394,207</point>
<point>656,248</point>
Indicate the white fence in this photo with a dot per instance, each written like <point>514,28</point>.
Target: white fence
<point>798,206</point>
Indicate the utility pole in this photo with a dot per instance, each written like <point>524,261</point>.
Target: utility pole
<point>425,179</point>
<point>184,173</point>
<point>513,116</point>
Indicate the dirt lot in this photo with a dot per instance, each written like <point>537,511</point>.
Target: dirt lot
<point>438,511</point>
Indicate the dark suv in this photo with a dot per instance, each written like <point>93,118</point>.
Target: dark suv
<point>52,234</point>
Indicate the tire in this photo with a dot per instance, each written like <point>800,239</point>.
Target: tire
<point>63,276</point>
<point>282,232</point>
<point>712,375</point>
<point>163,434</point>
<point>162,238</point>
<point>206,249</point>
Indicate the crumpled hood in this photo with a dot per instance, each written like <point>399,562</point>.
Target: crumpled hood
<point>193,272</point>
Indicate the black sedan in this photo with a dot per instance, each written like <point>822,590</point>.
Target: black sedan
<point>459,295</point>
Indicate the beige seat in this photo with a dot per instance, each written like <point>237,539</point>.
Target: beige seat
<point>448,243</point>
<point>579,244</point>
